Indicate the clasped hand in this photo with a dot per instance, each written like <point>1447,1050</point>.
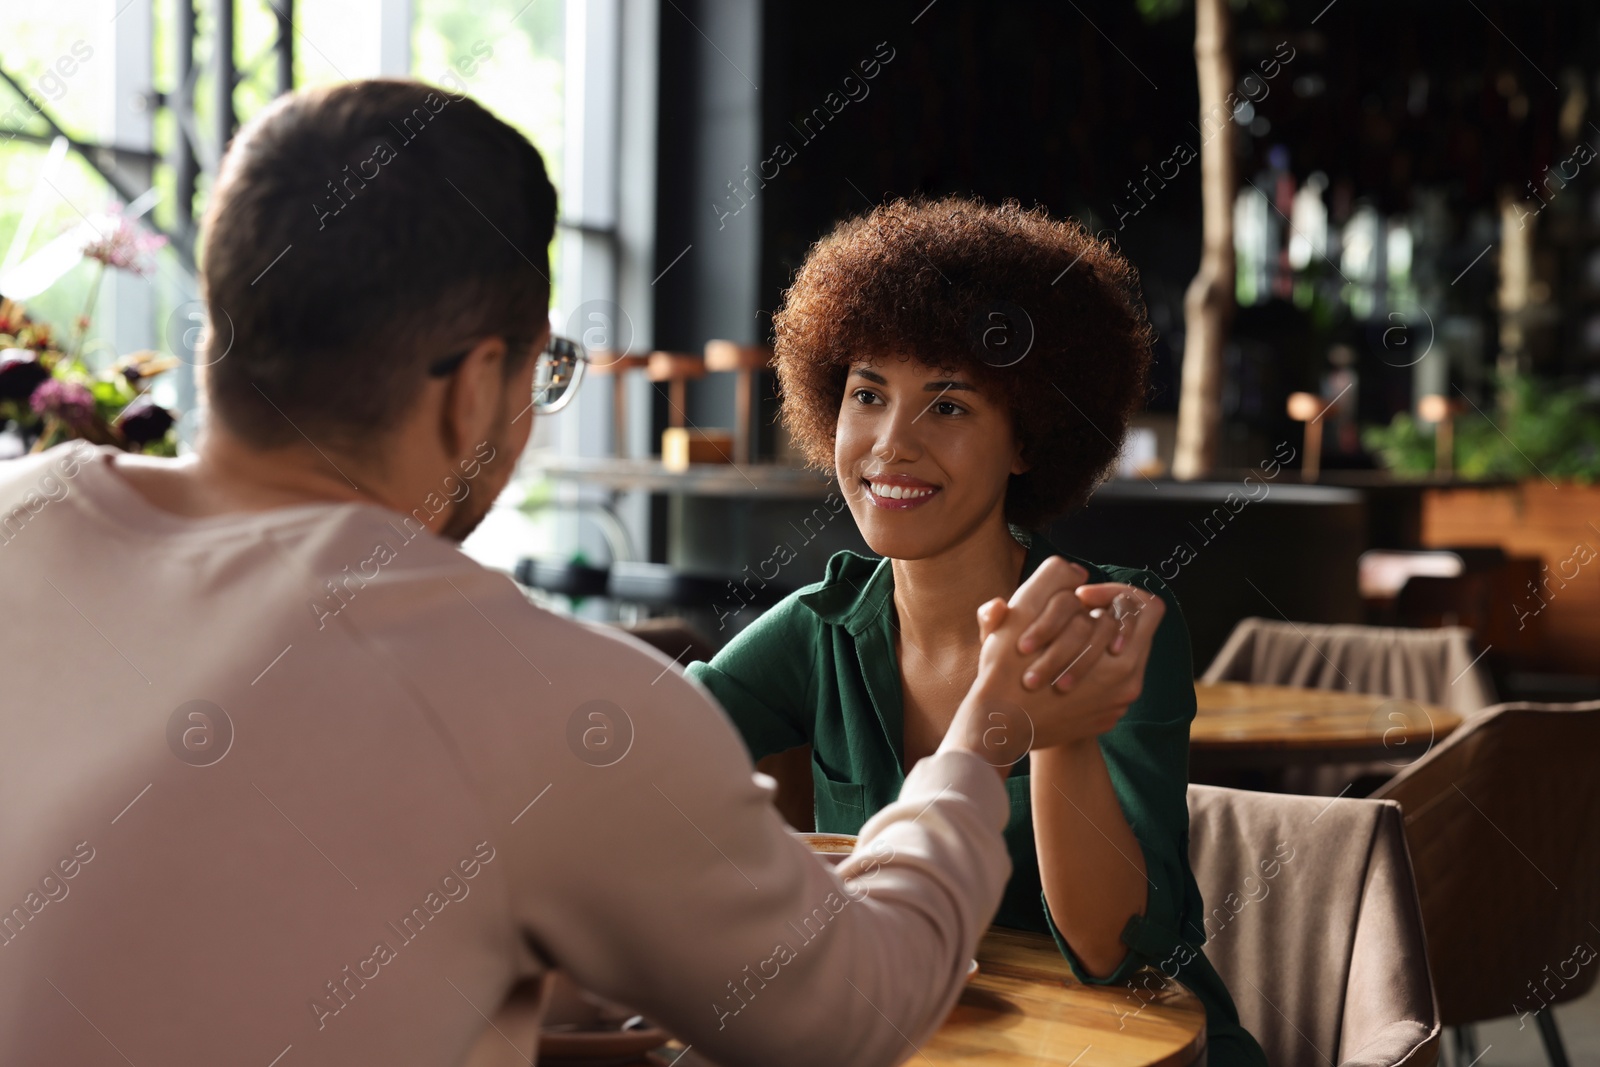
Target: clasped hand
<point>1061,661</point>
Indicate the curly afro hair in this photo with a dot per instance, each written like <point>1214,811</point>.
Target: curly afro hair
<point>1041,314</point>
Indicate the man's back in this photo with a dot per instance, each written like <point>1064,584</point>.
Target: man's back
<point>310,783</point>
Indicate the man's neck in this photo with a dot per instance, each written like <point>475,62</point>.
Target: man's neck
<point>226,476</point>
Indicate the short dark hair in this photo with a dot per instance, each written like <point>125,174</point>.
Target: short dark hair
<point>357,233</point>
<point>928,279</point>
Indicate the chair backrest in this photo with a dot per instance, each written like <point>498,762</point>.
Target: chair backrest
<point>1429,666</point>
<point>1313,923</point>
<point>1503,821</point>
<point>1466,600</point>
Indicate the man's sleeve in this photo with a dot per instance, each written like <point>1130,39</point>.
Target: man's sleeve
<point>665,880</point>
<point>1147,755</point>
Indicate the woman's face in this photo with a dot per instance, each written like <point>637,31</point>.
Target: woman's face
<point>923,456</point>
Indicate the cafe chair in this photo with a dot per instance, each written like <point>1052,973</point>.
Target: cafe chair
<point>1312,921</point>
<point>1382,572</point>
<point>1433,666</point>
<point>1503,820</point>
<point>1452,580</point>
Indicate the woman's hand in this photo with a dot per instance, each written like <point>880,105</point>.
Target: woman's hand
<point>1106,642</point>
<point>1069,633</point>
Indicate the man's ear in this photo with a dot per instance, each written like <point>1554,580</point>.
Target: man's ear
<point>473,398</point>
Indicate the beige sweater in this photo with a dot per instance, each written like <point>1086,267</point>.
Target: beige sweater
<point>310,786</point>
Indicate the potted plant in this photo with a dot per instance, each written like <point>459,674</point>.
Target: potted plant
<point>1547,439</point>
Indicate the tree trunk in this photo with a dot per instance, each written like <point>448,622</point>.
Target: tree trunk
<point>1208,303</point>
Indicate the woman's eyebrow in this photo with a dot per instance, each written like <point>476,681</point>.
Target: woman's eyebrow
<point>927,387</point>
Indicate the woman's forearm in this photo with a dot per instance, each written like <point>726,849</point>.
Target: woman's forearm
<point>1090,862</point>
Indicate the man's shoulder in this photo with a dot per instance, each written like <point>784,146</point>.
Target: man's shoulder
<point>501,667</point>
<point>41,474</point>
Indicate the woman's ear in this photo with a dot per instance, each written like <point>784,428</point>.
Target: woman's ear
<point>1018,464</point>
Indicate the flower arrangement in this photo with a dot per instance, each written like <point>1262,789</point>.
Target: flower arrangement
<point>49,394</point>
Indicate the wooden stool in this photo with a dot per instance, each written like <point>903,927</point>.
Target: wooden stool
<point>676,368</point>
<point>745,361</point>
<point>682,445</point>
<point>616,365</point>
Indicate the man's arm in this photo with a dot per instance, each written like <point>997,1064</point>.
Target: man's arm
<point>666,881</point>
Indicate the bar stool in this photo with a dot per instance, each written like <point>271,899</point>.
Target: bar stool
<point>682,444</point>
<point>616,365</point>
<point>746,361</point>
<point>676,368</point>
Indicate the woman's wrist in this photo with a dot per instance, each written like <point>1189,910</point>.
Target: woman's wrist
<point>1068,756</point>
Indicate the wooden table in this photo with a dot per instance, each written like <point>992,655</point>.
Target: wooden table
<point>1024,1008</point>
<point>1285,724</point>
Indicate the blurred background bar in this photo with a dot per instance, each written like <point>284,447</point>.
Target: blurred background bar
<point>1415,319</point>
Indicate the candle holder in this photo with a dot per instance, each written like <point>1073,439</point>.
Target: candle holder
<point>1309,409</point>
<point>1441,411</point>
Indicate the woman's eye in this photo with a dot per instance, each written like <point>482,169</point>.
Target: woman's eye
<point>945,407</point>
<point>866,396</point>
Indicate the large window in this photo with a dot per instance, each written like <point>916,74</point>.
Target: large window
<point>112,73</point>
<point>65,63</point>
<point>107,74</point>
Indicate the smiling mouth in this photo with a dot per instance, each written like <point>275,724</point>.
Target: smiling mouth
<point>897,496</point>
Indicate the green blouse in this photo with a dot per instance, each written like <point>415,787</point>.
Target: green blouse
<point>819,668</point>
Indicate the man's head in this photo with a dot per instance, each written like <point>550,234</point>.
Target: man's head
<point>357,236</point>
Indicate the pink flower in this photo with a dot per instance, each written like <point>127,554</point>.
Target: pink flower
<point>68,401</point>
<point>127,247</point>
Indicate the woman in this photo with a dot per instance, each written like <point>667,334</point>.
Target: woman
<point>967,372</point>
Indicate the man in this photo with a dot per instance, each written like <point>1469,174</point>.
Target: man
<point>287,779</point>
